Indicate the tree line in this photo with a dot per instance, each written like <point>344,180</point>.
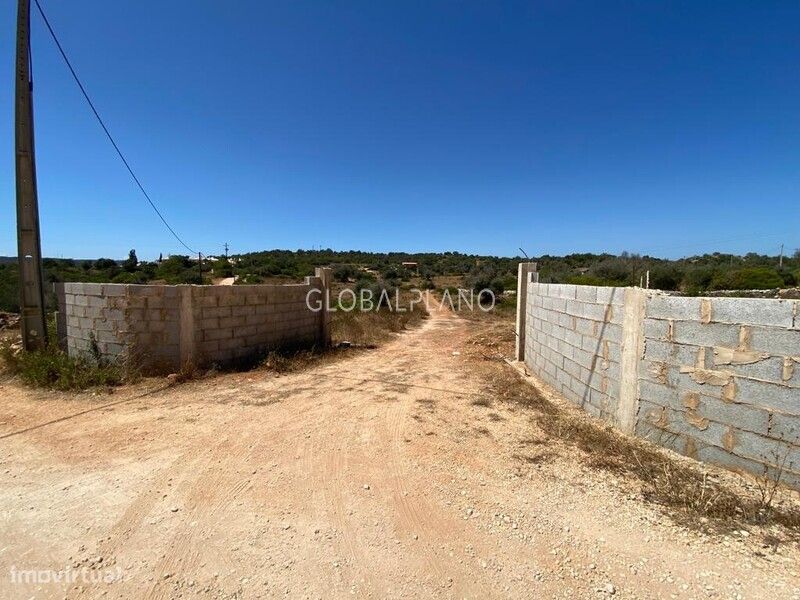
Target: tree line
<point>691,275</point>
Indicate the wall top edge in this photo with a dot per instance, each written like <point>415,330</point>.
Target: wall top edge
<point>188,285</point>
<point>653,293</point>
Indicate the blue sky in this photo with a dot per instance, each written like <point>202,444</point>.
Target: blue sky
<point>668,128</point>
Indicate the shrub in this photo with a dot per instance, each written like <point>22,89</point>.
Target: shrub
<point>53,368</point>
<point>751,278</point>
<point>665,278</point>
<point>485,277</point>
<point>697,279</point>
<point>789,278</point>
<point>587,280</point>
<point>615,271</point>
<point>344,273</point>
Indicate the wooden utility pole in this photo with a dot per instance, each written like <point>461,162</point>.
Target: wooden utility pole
<point>29,245</point>
<point>780,261</point>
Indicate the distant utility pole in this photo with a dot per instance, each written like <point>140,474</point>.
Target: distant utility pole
<point>780,260</point>
<point>200,266</point>
<point>29,245</point>
<point>226,251</point>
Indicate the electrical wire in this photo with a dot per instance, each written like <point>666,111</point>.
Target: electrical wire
<point>105,129</point>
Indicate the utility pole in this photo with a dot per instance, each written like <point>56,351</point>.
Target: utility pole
<point>780,260</point>
<point>226,251</point>
<point>29,245</point>
<point>200,266</point>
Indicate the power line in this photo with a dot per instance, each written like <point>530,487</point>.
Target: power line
<point>103,125</point>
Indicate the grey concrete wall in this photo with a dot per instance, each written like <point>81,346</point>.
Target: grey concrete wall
<point>720,381</point>
<point>163,328</point>
<point>717,379</point>
<point>573,342</point>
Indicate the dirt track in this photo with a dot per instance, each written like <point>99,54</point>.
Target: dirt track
<point>385,475</point>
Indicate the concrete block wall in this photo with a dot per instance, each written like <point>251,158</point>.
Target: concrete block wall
<point>236,321</point>
<point>717,379</point>
<point>163,328</point>
<point>118,318</point>
<point>573,342</point>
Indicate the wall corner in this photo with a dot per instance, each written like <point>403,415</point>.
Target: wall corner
<point>526,272</point>
<point>188,344</point>
<point>325,275</point>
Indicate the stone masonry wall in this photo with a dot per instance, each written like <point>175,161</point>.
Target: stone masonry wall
<point>162,327</point>
<point>717,379</point>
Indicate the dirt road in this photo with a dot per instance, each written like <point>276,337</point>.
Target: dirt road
<point>386,475</point>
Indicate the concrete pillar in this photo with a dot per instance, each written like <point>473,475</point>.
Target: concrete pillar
<point>525,274</point>
<point>325,274</point>
<point>632,351</point>
<point>188,345</point>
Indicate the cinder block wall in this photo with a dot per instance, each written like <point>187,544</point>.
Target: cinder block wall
<point>162,328</point>
<point>573,343</point>
<point>236,321</point>
<point>119,318</point>
<point>717,379</point>
<point>720,381</point>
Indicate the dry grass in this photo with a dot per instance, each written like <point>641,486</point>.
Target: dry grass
<point>373,328</point>
<point>692,493</point>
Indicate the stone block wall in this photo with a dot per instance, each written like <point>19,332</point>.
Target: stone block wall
<point>162,328</point>
<point>717,379</point>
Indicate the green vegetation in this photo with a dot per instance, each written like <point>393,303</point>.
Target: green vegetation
<point>692,275</point>
<point>176,269</point>
<point>53,368</point>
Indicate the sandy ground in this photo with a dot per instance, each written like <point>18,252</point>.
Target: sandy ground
<point>385,475</point>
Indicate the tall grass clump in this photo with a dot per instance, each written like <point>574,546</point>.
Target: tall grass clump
<point>53,368</point>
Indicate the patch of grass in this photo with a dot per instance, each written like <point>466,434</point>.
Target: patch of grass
<point>374,327</point>
<point>482,401</point>
<point>54,369</point>
<point>291,362</point>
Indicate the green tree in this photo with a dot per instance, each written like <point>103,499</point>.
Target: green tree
<point>132,262</point>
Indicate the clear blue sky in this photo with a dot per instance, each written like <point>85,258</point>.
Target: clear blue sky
<point>668,128</point>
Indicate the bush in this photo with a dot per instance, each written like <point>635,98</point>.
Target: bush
<point>614,271</point>
<point>697,279</point>
<point>665,278</point>
<point>486,277</point>
<point>752,278</point>
<point>587,280</point>
<point>344,273</point>
<point>53,368</point>
<point>789,278</point>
